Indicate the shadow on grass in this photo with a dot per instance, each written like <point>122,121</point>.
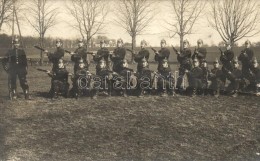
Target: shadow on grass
<point>2,142</point>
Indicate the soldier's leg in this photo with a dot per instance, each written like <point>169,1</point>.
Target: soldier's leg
<point>23,82</point>
<point>180,78</point>
<point>12,84</point>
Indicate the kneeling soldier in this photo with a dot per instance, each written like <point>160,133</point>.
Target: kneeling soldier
<point>204,67</point>
<point>216,77</point>
<point>59,80</point>
<point>81,80</point>
<point>195,77</point>
<point>165,80</point>
<point>144,76</point>
<point>102,80</point>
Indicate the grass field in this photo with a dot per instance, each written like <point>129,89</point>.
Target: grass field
<point>116,128</point>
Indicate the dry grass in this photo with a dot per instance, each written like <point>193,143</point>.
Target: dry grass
<point>115,128</point>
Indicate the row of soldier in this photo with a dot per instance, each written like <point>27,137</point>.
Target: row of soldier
<point>193,65</point>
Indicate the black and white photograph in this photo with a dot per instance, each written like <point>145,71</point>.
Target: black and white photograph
<point>129,80</point>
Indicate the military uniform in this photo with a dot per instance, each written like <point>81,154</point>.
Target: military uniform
<point>164,53</point>
<point>55,57</point>
<point>246,57</point>
<point>185,64</point>
<point>80,53</point>
<point>117,57</point>
<point>200,54</point>
<point>254,78</point>
<point>81,82</point>
<point>143,53</point>
<point>102,53</point>
<point>204,79</point>
<point>59,82</point>
<point>226,58</point>
<point>195,76</point>
<point>16,65</point>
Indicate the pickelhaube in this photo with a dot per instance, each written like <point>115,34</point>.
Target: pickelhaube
<point>120,41</point>
<point>163,41</point>
<point>200,41</point>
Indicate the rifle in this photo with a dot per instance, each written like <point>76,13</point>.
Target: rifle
<point>154,50</point>
<point>43,70</point>
<point>221,51</point>
<point>131,51</point>
<point>175,50</point>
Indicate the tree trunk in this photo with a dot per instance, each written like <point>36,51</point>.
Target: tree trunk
<point>133,47</point>
<point>41,45</point>
<point>181,41</point>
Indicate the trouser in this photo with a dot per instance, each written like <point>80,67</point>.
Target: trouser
<point>165,85</point>
<point>21,74</point>
<point>182,69</point>
<point>59,87</point>
<point>102,84</point>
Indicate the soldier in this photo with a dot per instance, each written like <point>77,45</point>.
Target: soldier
<point>162,54</point>
<point>103,77</point>
<point>226,59</point>
<point>183,58</point>
<point>59,80</point>
<point>165,80</point>
<point>204,67</point>
<point>235,77</point>
<point>81,80</point>
<point>254,77</point>
<point>123,79</point>
<point>143,53</point>
<point>195,77</point>
<point>144,76</point>
<point>246,57</point>
<point>80,53</point>
<point>118,56</point>
<point>57,55</point>
<point>216,78</point>
<point>200,53</point>
<point>102,53</point>
<point>15,63</point>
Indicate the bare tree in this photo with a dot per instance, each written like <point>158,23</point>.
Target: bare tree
<point>42,17</point>
<point>5,12</point>
<point>235,19</point>
<point>90,17</point>
<point>134,16</point>
<point>185,14</point>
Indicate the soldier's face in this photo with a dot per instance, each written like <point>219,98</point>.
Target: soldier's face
<point>247,45</point>
<point>255,65</point>
<point>200,44</point>
<point>216,65</point>
<point>185,45</point>
<point>236,65</point>
<point>81,65</point>
<point>102,65</point>
<point>196,64</point>
<point>58,44</point>
<point>61,65</point>
<point>80,44</point>
<point>119,44</point>
<point>125,65</point>
<point>204,65</point>
<point>102,45</point>
<point>163,44</point>
<point>165,65</point>
<point>145,64</point>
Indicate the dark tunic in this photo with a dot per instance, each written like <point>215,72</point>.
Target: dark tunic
<point>143,53</point>
<point>163,53</point>
<point>117,57</point>
<point>80,53</point>
<point>200,55</point>
<point>54,57</point>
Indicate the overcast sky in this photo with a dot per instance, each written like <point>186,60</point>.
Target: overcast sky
<point>153,34</point>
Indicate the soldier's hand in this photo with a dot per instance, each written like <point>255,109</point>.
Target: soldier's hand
<point>178,53</point>
<point>72,53</point>
<point>46,51</point>
<point>48,72</point>
<point>186,71</point>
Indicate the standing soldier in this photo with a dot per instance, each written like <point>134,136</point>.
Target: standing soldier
<point>162,54</point>
<point>80,53</point>
<point>195,77</point>
<point>118,56</point>
<point>165,80</point>
<point>200,52</point>
<point>216,78</point>
<point>246,57</point>
<point>143,53</point>
<point>183,58</point>
<point>57,55</point>
<point>15,63</point>
<point>254,77</point>
<point>102,53</point>
<point>226,59</point>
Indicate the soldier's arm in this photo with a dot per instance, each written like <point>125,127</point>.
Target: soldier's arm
<point>202,53</point>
